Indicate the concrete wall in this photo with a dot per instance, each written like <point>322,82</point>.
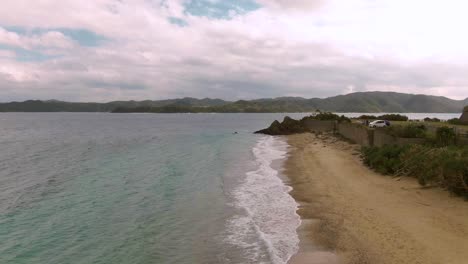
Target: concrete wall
<point>364,136</point>
<point>320,126</point>
<point>462,139</point>
<point>359,134</point>
<point>382,138</point>
<point>409,141</point>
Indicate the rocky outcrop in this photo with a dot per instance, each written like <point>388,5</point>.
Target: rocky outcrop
<point>464,116</point>
<point>287,127</point>
<point>321,122</point>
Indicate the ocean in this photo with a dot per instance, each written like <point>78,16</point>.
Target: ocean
<point>143,188</point>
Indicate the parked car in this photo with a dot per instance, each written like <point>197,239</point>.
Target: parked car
<point>379,123</point>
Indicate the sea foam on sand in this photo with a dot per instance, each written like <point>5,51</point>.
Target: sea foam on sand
<point>266,227</point>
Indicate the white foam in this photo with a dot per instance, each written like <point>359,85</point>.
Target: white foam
<point>266,229</point>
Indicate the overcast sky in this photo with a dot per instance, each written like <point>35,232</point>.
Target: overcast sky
<point>103,50</point>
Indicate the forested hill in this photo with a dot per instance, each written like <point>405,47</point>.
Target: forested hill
<point>355,102</point>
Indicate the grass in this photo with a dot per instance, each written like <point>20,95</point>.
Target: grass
<point>432,124</point>
<point>445,166</point>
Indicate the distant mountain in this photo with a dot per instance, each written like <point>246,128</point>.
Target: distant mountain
<point>365,102</point>
<point>391,102</point>
<point>59,106</point>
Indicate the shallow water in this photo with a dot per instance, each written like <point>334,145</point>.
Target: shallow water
<point>142,188</point>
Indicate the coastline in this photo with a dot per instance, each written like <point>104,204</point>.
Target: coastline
<point>353,215</point>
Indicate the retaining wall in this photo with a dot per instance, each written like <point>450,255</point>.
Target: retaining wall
<point>359,134</point>
<point>462,139</point>
<point>320,126</point>
<point>382,138</point>
<point>409,141</point>
<point>367,137</point>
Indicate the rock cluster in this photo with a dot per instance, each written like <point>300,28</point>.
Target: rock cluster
<point>287,127</point>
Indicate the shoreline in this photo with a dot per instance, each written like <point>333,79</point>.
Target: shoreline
<point>353,215</point>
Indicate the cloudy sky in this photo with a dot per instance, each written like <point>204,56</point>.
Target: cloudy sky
<point>103,50</point>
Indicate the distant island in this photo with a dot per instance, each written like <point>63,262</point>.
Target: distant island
<point>363,102</point>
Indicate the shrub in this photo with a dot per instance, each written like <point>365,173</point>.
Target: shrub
<point>393,117</point>
<point>371,117</point>
<point>385,159</point>
<point>328,116</point>
<point>456,121</point>
<point>389,117</point>
<point>420,162</point>
<point>428,119</point>
<point>455,177</point>
<point>445,136</point>
<point>446,167</point>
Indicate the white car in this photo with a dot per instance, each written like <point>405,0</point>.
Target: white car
<point>379,123</point>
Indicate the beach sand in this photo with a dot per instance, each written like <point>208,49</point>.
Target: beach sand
<point>353,215</point>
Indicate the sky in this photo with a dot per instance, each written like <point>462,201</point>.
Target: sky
<point>105,50</point>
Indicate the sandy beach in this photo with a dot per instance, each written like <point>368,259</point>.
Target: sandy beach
<point>353,215</point>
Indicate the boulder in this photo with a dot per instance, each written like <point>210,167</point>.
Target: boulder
<point>287,127</point>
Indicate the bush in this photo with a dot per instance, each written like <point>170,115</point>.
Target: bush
<point>456,121</point>
<point>328,116</point>
<point>393,117</point>
<point>446,167</point>
<point>420,162</point>
<point>455,177</point>
<point>389,117</point>
<point>428,119</point>
<point>385,159</point>
<point>408,131</point>
<point>370,117</point>
<point>445,136</point>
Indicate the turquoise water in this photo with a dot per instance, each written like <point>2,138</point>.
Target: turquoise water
<point>142,188</point>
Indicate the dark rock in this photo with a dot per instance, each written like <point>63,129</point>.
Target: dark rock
<point>287,127</point>
<point>273,129</point>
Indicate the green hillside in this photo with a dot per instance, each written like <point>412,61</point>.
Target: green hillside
<point>365,102</point>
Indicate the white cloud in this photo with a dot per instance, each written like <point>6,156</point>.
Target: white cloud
<point>9,38</point>
<point>47,40</point>
<point>297,5</point>
<point>52,39</point>
<point>323,50</point>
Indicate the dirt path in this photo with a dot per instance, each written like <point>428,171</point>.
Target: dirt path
<point>366,217</point>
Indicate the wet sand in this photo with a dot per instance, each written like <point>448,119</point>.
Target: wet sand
<point>353,215</point>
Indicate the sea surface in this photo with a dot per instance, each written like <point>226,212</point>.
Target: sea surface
<point>143,188</point>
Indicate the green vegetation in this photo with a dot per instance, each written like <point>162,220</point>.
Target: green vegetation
<point>389,117</point>
<point>355,102</point>
<point>368,117</point>
<point>456,121</point>
<point>393,117</point>
<point>445,136</point>
<point>428,119</point>
<point>385,160</point>
<point>328,116</point>
<point>140,106</point>
<point>445,166</point>
<point>291,126</point>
